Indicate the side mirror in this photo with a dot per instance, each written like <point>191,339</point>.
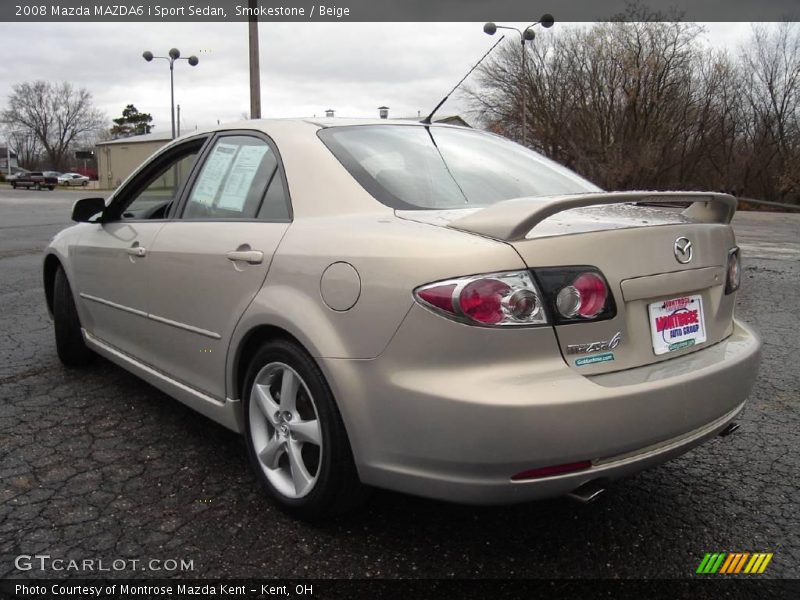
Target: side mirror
<point>86,208</point>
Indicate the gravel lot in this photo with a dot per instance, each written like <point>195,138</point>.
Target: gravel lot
<point>97,464</point>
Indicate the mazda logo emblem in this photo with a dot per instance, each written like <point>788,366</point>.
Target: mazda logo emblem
<point>683,250</point>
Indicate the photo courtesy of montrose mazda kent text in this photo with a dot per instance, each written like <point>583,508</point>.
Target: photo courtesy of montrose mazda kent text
<point>423,308</point>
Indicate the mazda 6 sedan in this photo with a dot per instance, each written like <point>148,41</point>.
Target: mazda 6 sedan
<point>424,308</point>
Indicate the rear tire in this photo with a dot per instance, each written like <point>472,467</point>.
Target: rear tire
<point>51,187</point>
<point>297,444</point>
<point>71,348</point>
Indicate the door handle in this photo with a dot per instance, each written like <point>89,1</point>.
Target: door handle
<point>140,251</point>
<point>254,257</point>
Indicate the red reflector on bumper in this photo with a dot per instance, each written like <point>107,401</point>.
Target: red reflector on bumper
<point>553,470</point>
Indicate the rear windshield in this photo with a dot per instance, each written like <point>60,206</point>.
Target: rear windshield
<point>415,167</point>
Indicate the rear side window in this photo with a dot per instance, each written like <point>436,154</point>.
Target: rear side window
<point>435,167</point>
<point>240,179</point>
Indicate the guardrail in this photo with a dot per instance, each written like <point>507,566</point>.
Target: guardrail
<point>770,203</point>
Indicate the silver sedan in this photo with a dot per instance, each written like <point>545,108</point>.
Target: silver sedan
<point>429,309</point>
<point>73,179</point>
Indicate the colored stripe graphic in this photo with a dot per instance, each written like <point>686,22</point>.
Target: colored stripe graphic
<point>718,563</point>
<point>734,562</point>
<point>766,562</point>
<point>728,562</point>
<point>741,562</point>
<point>710,564</point>
<point>753,565</point>
<point>703,563</point>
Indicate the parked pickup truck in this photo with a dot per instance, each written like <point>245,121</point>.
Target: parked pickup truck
<point>35,179</point>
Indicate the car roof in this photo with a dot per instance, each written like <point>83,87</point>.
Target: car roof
<point>302,126</point>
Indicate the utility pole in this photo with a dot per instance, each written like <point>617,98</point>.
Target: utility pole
<point>255,74</point>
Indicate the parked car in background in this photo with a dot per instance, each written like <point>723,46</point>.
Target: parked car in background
<point>15,172</point>
<point>71,179</point>
<point>437,311</point>
<point>35,179</point>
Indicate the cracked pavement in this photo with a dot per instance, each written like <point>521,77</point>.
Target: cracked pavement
<point>97,464</point>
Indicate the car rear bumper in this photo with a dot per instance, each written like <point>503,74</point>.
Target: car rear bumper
<point>460,429</point>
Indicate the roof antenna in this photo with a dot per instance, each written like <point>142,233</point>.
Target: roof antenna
<point>427,120</point>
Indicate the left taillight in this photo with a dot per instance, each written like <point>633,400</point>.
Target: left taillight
<point>492,300</point>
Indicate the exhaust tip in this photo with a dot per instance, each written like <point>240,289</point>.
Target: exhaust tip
<point>729,429</point>
<point>588,492</point>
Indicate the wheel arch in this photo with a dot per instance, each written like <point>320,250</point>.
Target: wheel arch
<point>50,267</point>
<point>256,337</point>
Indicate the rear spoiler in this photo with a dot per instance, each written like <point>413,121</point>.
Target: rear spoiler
<point>511,220</point>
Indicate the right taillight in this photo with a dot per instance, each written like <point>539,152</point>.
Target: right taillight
<point>576,294</point>
<point>734,277</point>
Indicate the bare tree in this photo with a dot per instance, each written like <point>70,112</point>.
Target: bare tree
<point>26,146</point>
<point>647,105</point>
<point>771,62</point>
<point>55,114</point>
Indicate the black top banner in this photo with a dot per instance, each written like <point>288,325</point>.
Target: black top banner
<point>396,10</point>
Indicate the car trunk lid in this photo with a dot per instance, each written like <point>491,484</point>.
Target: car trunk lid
<point>634,247</point>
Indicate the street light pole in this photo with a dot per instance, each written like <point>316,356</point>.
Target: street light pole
<point>525,35</point>
<point>524,93</point>
<point>174,54</point>
<point>172,95</point>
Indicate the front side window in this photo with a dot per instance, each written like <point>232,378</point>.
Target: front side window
<point>240,179</point>
<point>416,167</point>
<point>160,186</point>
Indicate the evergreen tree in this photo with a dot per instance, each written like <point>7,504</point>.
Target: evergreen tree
<point>132,122</point>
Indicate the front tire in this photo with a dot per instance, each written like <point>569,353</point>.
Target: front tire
<point>71,348</point>
<point>295,437</point>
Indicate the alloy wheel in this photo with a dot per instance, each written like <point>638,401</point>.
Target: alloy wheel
<point>285,430</point>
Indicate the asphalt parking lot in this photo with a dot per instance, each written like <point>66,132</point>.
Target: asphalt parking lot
<point>97,464</point>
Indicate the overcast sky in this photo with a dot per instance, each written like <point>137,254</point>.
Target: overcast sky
<point>305,67</point>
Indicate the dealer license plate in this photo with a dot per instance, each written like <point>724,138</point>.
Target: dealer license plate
<point>677,323</point>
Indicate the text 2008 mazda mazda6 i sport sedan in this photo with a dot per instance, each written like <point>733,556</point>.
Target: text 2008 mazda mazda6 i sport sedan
<point>428,309</point>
